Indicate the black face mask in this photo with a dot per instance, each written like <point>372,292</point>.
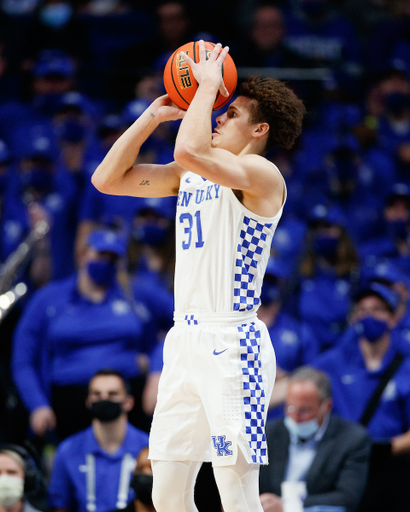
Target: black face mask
<point>106,410</point>
<point>142,486</point>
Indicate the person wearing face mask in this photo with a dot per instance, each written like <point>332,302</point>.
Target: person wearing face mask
<point>369,371</point>
<point>141,484</point>
<point>393,242</point>
<point>71,328</point>
<point>327,270</point>
<point>22,484</point>
<point>325,454</point>
<point>94,468</point>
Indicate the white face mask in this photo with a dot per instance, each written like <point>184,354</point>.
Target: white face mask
<point>11,490</point>
<point>303,430</point>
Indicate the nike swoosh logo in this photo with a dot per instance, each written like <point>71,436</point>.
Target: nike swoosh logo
<point>188,180</point>
<point>221,352</point>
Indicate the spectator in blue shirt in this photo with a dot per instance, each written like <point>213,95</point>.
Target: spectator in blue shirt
<point>41,183</point>
<point>69,330</point>
<point>393,241</point>
<point>152,260</point>
<point>356,368</point>
<point>93,469</point>
<point>389,274</point>
<point>327,272</point>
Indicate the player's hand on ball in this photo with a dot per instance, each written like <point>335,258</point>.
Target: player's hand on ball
<point>209,68</point>
<point>164,110</point>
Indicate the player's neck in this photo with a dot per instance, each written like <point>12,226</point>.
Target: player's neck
<point>110,435</point>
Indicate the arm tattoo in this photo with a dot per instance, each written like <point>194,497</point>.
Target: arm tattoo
<point>151,114</point>
<point>144,182</point>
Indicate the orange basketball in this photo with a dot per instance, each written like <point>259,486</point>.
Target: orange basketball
<point>180,82</point>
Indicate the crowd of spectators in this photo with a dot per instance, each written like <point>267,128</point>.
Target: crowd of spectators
<point>99,279</point>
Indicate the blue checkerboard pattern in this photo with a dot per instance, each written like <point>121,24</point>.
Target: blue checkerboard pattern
<point>251,245</point>
<point>253,392</point>
<point>191,319</point>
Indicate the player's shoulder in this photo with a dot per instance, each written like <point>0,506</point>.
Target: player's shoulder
<point>259,165</point>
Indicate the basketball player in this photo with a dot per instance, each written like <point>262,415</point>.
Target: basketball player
<point>219,364</point>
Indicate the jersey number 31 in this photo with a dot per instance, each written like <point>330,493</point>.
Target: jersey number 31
<point>190,223</point>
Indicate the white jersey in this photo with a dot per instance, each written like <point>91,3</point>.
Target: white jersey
<point>222,250</point>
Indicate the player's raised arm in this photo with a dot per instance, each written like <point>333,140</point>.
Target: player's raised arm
<point>118,175</point>
<point>265,114</point>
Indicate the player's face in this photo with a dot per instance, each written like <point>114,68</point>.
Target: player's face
<point>233,131</point>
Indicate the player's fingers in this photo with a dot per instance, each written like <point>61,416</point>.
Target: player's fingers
<point>187,58</point>
<point>223,54</point>
<point>201,51</point>
<point>215,52</point>
<point>223,90</point>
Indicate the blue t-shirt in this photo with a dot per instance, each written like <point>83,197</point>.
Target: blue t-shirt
<point>327,323</point>
<point>156,360</point>
<point>353,385</point>
<point>85,478</point>
<point>293,341</point>
<point>63,338</point>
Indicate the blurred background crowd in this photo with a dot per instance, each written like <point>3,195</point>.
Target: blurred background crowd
<point>86,280</point>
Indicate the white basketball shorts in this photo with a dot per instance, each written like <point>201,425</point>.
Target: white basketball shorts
<point>214,391</point>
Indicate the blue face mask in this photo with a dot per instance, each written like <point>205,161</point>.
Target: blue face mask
<point>102,272</point>
<point>56,15</point>
<point>325,246</point>
<point>371,328</point>
<point>151,233</point>
<point>302,430</point>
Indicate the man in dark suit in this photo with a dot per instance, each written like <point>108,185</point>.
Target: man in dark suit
<point>329,454</point>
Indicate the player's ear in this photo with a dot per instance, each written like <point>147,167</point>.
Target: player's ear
<point>261,129</point>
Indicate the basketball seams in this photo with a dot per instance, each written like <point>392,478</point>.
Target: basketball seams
<point>173,79</point>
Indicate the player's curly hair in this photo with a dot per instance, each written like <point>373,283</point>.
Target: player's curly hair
<point>276,105</point>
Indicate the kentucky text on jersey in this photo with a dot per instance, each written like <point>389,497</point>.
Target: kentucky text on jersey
<point>211,192</point>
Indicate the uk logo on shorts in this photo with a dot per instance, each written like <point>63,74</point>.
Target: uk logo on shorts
<point>221,446</point>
